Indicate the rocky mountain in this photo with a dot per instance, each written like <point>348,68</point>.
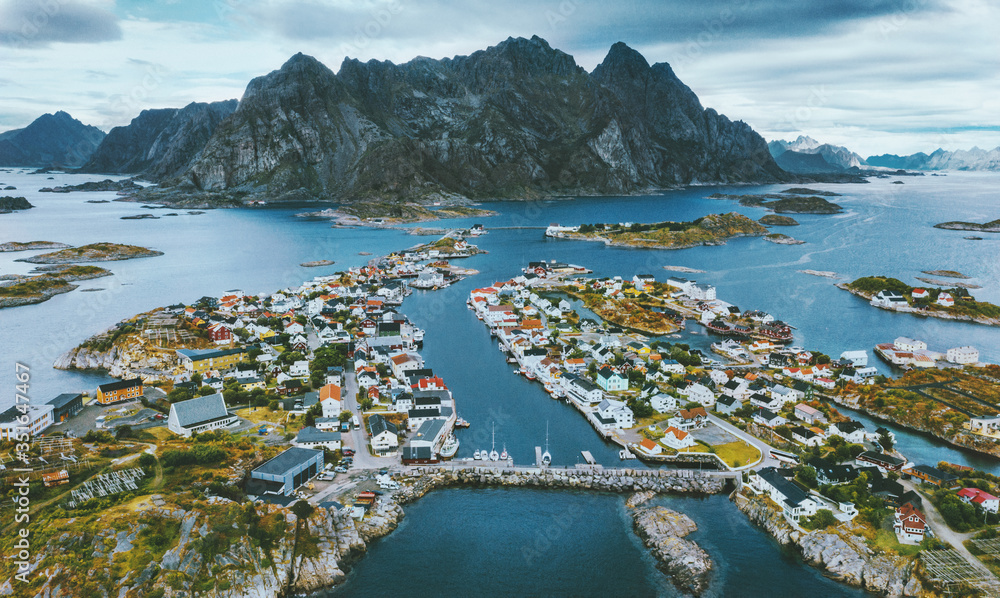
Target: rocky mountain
<point>161,143</point>
<point>801,163</point>
<point>838,156</point>
<point>974,159</point>
<point>51,139</point>
<point>519,119</point>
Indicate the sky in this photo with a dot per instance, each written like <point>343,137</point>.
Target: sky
<point>877,76</point>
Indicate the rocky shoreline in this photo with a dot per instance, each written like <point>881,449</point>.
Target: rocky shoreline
<point>780,239</point>
<point>844,557</point>
<point>95,252</point>
<point>923,313</point>
<point>31,245</point>
<point>662,531</point>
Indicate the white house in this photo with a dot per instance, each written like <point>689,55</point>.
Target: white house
<point>945,300</point>
<point>677,439</point>
<point>768,418</point>
<point>851,431</point>
<point>909,523</point>
<point>857,358</point>
<point>650,447</point>
<point>672,366</point>
<point>794,501</point>
<point>963,355</point>
<point>200,414</point>
<point>314,438</point>
<point>980,497</point>
<point>907,344</point>
<point>614,414</point>
<point>663,403</point>
<point>889,300</point>
<point>384,439</point>
<point>582,389</point>
<point>698,392</point>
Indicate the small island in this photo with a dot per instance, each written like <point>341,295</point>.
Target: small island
<point>26,290</point>
<point>30,245</point>
<point>781,239</point>
<point>9,204</point>
<point>777,220</point>
<point>988,227</point>
<point>946,274</point>
<point>951,304</point>
<point>806,191</point>
<point>95,252</point>
<point>790,202</point>
<point>317,263</point>
<point>105,185</point>
<point>713,229</point>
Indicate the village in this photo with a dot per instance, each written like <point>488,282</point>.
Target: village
<point>328,380</point>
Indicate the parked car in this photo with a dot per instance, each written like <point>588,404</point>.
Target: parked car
<point>348,452</point>
<point>340,469</point>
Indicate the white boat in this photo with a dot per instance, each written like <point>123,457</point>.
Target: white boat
<point>625,454</point>
<point>494,455</point>
<point>504,456</point>
<point>546,456</point>
<point>477,455</point>
<point>450,447</point>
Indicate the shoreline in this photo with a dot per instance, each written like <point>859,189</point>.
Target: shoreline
<point>921,313</point>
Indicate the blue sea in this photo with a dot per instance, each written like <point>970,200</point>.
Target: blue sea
<point>885,229</point>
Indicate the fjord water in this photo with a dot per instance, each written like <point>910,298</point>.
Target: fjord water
<point>520,542</point>
<point>885,229</point>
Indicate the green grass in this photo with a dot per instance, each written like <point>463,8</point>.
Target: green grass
<point>737,454</point>
<point>885,540</point>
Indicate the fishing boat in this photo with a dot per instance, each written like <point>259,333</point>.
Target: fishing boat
<point>477,455</point>
<point>461,423</point>
<point>450,447</point>
<point>625,454</point>
<point>494,455</point>
<point>504,456</point>
<point>530,375</point>
<point>546,456</point>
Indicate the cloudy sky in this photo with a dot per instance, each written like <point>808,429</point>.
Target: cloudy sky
<point>896,76</point>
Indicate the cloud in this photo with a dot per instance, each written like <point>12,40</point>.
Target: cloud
<point>37,23</point>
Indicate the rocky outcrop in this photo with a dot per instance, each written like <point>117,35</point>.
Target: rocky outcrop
<point>9,204</point>
<point>845,557</point>
<point>663,530</point>
<point>161,143</point>
<point>516,120</point>
<point>615,480</point>
<point>95,252</point>
<point>50,139</point>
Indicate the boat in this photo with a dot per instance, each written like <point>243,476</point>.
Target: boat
<point>477,455</point>
<point>494,455</point>
<point>546,456</point>
<point>529,374</point>
<point>504,456</point>
<point>461,423</point>
<point>450,447</point>
<point>625,454</point>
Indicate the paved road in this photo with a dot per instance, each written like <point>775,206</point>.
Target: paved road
<point>358,438</point>
<point>760,445</point>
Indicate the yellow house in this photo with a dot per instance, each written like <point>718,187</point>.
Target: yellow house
<point>252,384</point>
<point>203,360</point>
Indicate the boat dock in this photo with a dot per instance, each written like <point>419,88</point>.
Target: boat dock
<point>588,458</point>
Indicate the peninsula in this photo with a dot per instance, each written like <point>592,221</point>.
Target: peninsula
<point>950,304</point>
<point>792,201</point>
<point>988,227</point>
<point>95,252</point>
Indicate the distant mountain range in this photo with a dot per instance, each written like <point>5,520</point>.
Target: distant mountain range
<point>974,159</point>
<point>51,139</point>
<point>806,155</point>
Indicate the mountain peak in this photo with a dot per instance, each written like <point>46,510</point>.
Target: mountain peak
<point>622,60</point>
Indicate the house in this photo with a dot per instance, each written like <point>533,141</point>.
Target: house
<point>919,293</point>
<point>858,359</point>
<point>945,300</point>
<point>328,424</point>
<point>808,414</point>
<point>123,390</point>
<point>23,419</point>
<point>582,389</point>
<point>610,380</point>
<point>614,414</point>
<point>677,439</point>
<point>980,497</point>
<point>201,414</point>
<point>904,343</point>
<point>697,392</point>
<point>794,501</point>
<point>829,473</point>
<point>286,472</point>
<point>688,419</point>
<point>772,402</point>
<point>65,406</point>
<point>768,418</point>
<point>299,369</point>
<point>203,360</point>
<point>312,437</point>
<point>672,366</point>
<point>329,399</point>
<point>884,463</point>
<point>859,375</point>
<point>650,447</point>
<point>220,334</point>
<point>663,403</point>
<point>805,436</point>
<point>727,405</point>
<point>888,300</point>
<point>851,431</point>
<point>932,475</point>
<point>909,524</point>
<point>963,355</point>
<point>384,437</point>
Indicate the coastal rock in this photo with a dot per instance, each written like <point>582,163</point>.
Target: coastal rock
<point>662,530</point>
<point>10,204</point>
<point>639,498</point>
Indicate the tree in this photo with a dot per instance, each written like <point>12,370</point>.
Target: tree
<point>123,432</point>
<point>204,391</point>
<point>822,519</point>
<point>885,439</point>
<point>692,405</point>
<point>345,416</point>
<point>197,378</point>
<point>302,509</point>
<point>365,403</point>
<point>806,474</point>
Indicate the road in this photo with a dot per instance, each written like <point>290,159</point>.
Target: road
<point>942,531</point>
<point>765,449</point>
<point>358,437</point>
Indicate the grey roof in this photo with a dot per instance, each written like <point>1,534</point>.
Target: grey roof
<point>311,434</point>
<point>423,413</point>
<point>288,460</point>
<point>881,458</point>
<point>200,410</point>
<point>429,429</point>
<point>793,494</point>
<point>417,452</point>
<point>419,400</point>
<point>378,424</point>
<point>850,426</point>
<point>199,354</point>
<point>63,399</point>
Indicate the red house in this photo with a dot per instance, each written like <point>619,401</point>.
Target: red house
<point>220,334</point>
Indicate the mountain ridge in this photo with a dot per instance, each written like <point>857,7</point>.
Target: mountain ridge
<point>50,140</point>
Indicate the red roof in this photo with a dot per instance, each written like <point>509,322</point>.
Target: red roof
<point>976,495</point>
